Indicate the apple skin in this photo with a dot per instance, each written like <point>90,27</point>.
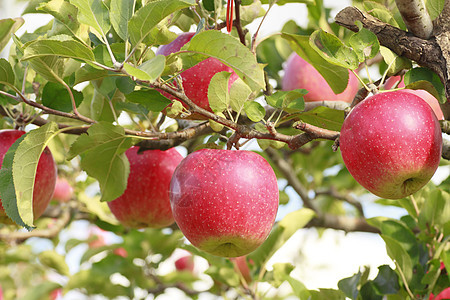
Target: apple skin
<point>445,294</point>
<point>197,78</point>
<point>430,99</point>
<point>145,202</point>
<point>225,202</point>
<point>185,263</point>
<point>391,143</point>
<point>299,74</point>
<point>63,190</point>
<point>46,175</point>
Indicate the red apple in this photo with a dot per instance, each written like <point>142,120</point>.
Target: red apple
<point>445,294</point>
<point>185,263</point>
<point>224,201</point>
<point>56,294</point>
<point>299,74</point>
<point>145,202</point>
<point>96,238</point>
<point>433,102</point>
<point>391,144</point>
<point>121,252</point>
<point>63,190</point>
<point>46,174</point>
<point>197,78</point>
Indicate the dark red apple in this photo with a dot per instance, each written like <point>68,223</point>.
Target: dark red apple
<point>145,202</point>
<point>224,201</point>
<point>197,78</point>
<point>391,143</point>
<point>63,190</point>
<point>299,74</point>
<point>185,263</point>
<point>46,174</point>
<point>433,102</point>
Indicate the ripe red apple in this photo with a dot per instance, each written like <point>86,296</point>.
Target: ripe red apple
<point>197,78</point>
<point>224,201</point>
<point>121,252</point>
<point>299,74</point>
<point>63,190</point>
<point>185,263</point>
<point>46,174</point>
<point>96,238</point>
<point>391,144</point>
<point>445,294</point>
<point>145,202</point>
<point>433,102</point>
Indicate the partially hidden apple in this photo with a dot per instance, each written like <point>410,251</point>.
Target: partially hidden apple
<point>391,143</point>
<point>63,190</point>
<point>145,202</point>
<point>445,294</point>
<point>185,263</point>
<point>299,74</point>
<point>224,201</point>
<point>46,174</point>
<point>430,99</point>
<point>196,79</point>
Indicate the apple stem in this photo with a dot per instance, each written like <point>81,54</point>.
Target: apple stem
<point>229,15</point>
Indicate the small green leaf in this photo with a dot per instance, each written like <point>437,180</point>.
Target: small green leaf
<point>365,44</point>
<point>336,77</point>
<point>230,51</point>
<point>281,272</point>
<point>398,254</point>
<point>6,73</point>
<point>239,94</point>
<point>150,99</point>
<point>381,12</point>
<point>254,111</point>
<point>103,157</point>
<point>125,84</point>
<point>7,28</point>
<point>423,78</point>
<point>120,13</point>
<point>50,67</point>
<point>434,7</point>
<point>323,117</point>
<point>54,260</point>
<point>154,67</point>
<point>333,50</point>
<point>403,235</point>
<point>93,13</point>
<point>7,189</point>
<point>386,281</point>
<point>24,167</point>
<point>40,291</point>
<point>60,45</point>
<point>56,96</point>
<point>435,210</point>
<point>218,95</point>
<point>146,18</point>
<point>395,63</point>
<point>136,72</point>
<point>290,101</point>
<point>350,285</point>
<point>63,11</point>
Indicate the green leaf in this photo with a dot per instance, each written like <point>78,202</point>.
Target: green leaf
<point>125,84</point>
<point>103,157</point>
<point>403,235</point>
<point>150,99</point>
<point>218,95</point>
<point>60,45</point>
<point>254,111</point>
<point>350,285</point>
<point>154,67</point>
<point>435,210</point>
<point>368,292</point>
<point>281,233</point>
<point>398,254</point>
<point>239,94</point>
<point>395,63</point>
<point>290,101</point>
<point>93,13</point>
<point>50,67</point>
<point>434,7</point>
<point>381,12</point>
<point>7,28</point>
<point>333,50</point>
<point>386,281</point>
<point>7,189</point>
<point>24,168</point>
<point>120,13</point>
<point>365,44</point>
<point>323,117</point>
<point>56,96</point>
<point>299,288</point>
<point>54,260</point>
<point>40,291</point>
<point>146,18</point>
<point>6,73</point>
<point>336,77</point>
<point>423,78</point>
<point>89,73</point>
<point>63,11</point>
<point>281,272</point>
<point>230,51</point>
